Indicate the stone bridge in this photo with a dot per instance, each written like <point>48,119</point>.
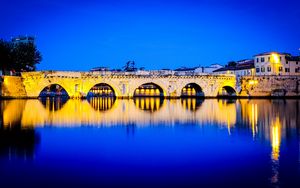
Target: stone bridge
<point>78,84</point>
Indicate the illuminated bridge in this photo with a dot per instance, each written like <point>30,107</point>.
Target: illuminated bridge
<point>119,85</point>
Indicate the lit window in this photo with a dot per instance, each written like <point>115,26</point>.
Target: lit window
<point>262,69</point>
<point>280,69</point>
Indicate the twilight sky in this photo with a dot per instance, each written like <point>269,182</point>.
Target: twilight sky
<point>82,34</point>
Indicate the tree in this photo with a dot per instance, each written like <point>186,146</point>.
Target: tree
<point>25,57</point>
<point>231,64</point>
<point>130,66</point>
<point>19,57</point>
<point>5,55</point>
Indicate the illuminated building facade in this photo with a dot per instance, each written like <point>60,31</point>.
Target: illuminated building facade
<point>275,63</point>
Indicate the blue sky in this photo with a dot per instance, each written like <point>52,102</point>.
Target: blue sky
<point>79,35</point>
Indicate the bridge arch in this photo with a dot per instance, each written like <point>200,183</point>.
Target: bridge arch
<point>101,90</point>
<point>226,91</point>
<point>53,90</point>
<point>149,89</point>
<point>192,90</point>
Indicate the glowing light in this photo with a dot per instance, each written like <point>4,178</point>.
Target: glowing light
<point>252,82</point>
<point>275,58</point>
<point>275,134</point>
<point>102,112</point>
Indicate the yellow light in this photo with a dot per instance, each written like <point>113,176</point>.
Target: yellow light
<point>252,82</point>
<point>276,134</point>
<point>275,58</point>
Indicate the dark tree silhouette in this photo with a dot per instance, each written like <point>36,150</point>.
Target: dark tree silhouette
<point>130,66</point>
<point>5,55</point>
<point>231,64</point>
<point>19,57</point>
<point>25,57</point>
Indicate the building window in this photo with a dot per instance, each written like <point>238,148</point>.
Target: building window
<point>257,69</point>
<point>280,58</point>
<point>296,62</point>
<point>262,59</point>
<point>257,60</point>
<point>287,69</point>
<point>280,69</point>
<point>269,69</point>
<point>262,69</point>
<point>297,69</point>
<point>269,59</point>
<point>286,62</point>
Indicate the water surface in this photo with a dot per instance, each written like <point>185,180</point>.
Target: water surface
<point>149,142</point>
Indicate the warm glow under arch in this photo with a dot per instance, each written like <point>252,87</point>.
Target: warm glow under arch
<point>149,90</point>
<point>192,90</point>
<point>101,90</point>
<point>54,90</point>
<point>227,91</point>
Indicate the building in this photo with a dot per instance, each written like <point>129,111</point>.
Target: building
<point>99,69</point>
<point>185,71</point>
<point>242,68</point>
<point>208,69</point>
<point>275,63</point>
<point>293,63</point>
<point>22,39</point>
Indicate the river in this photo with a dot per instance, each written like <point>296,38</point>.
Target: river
<point>150,142</point>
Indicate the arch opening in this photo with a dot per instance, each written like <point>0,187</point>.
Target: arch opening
<point>227,91</point>
<point>53,90</point>
<point>101,90</point>
<point>148,90</point>
<point>192,90</point>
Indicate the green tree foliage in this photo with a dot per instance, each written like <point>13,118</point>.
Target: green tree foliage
<point>19,57</point>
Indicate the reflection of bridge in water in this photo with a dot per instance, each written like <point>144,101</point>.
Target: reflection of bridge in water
<point>111,111</point>
<point>270,120</point>
<point>265,118</point>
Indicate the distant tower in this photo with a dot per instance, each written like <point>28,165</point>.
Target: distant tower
<point>22,39</point>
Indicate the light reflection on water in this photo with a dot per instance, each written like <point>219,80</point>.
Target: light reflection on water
<point>109,111</point>
<point>272,124</point>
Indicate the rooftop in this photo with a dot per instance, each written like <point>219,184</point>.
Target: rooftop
<point>242,66</point>
<point>293,58</point>
<point>269,53</point>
